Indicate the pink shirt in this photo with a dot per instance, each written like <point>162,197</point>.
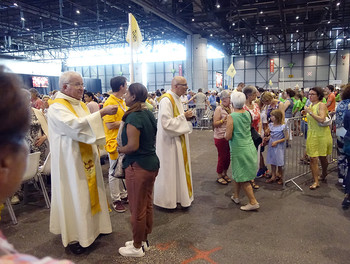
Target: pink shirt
<point>93,106</point>
<point>219,132</point>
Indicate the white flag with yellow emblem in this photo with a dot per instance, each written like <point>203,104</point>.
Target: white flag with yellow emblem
<point>134,37</point>
<point>231,71</point>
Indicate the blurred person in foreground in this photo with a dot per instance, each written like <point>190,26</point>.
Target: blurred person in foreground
<point>79,210</point>
<point>342,108</point>
<point>141,167</point>
<point>15,119</point>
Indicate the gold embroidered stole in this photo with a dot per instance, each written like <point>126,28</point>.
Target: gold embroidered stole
<point>88,160</point>
<point>183,145</point>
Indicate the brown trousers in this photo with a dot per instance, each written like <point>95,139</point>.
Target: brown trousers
<point>139,184</point>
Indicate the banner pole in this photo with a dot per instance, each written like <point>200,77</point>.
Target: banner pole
<point>132,80</point>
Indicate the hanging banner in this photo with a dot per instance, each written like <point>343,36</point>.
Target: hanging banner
<point>218,80</point>
<point>272,66</point>
<point>180,69</point>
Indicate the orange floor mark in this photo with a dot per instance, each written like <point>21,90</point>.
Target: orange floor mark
<point>202,255</point>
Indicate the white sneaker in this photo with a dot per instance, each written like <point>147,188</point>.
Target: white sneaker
<point>235,200</point>
<point>131,252</point>
<point>250,207</point>
<point>145,244</point>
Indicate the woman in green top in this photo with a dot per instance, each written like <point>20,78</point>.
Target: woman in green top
<point>141,167</point>
<point>319,139</point>
<point>244,156</point>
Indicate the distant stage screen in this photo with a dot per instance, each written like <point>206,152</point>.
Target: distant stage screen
<point>40,82</point>
<point>218,80</point>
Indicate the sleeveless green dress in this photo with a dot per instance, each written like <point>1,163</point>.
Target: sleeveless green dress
<point>319,139</point>
<point>244,157</point>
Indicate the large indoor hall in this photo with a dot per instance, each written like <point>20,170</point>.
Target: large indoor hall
<point>174,131</point>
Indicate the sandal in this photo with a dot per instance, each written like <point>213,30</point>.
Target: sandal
<point>221,181</point>
<point>255,186</point>
<point>271,180</point>
<point>314,186</point>
<point>280,181</point>
<point>226,178</point>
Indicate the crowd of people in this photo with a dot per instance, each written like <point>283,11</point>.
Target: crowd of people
<point>155,154</point>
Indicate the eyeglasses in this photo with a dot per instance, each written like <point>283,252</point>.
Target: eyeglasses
<point>76,84</point>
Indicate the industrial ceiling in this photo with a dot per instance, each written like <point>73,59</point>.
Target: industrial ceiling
<point>51,28</point>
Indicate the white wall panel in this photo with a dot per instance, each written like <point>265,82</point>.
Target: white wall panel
<point>250,76</point>
<point>310,59</point>
<point>323,58</point>
<point>250,62</point>
<point>238,63</point>
<point>310,73</point>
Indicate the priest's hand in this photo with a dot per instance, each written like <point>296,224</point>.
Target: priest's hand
<point>188,114</point>
<point>109,110</point>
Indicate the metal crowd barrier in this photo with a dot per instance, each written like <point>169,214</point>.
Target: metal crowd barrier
<point>203,118</point>
<point>295,151</point>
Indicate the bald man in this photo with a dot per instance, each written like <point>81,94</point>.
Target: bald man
<point>174,181</point>
<point>79,209</point>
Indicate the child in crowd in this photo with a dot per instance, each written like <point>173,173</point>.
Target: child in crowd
<point>298,105</point>
<point>275,152</point>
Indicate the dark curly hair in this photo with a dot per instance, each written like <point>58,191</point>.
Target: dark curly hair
<point>290,92</point>
<point>319,92</point>
<point>14,109</point>
<point>346,92</point>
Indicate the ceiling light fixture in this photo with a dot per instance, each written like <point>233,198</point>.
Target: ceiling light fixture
<point>23,19</point>
<point>211,34</point>
<point>121,27</point>
<point>75,23</point>
<point>297,17</point>
<point>261,12</point>
<point>267,28</point>
<point>338,4</point>
<point>192,19</point>
<point>15,4</point>
<point>322,34</point>
<point>297,30</point>
<point>328,22</point>
<point>217,4</point>
<point>78,12</point>
<point>27,29</point>
<point>233,24</point>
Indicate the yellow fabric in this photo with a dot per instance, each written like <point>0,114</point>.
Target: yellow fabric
<point>231,71</point>
<point>134,33</point>
<point>319,139</point>
<point>1,207</point>
<point>183,145</point>
<point>111,134</point>
<point>88,160</point>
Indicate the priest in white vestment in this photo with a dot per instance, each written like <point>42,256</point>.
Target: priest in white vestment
<point>174,181</point>
<point>79,210</point>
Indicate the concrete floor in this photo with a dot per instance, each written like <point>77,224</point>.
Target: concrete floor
<point>290,227</point>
